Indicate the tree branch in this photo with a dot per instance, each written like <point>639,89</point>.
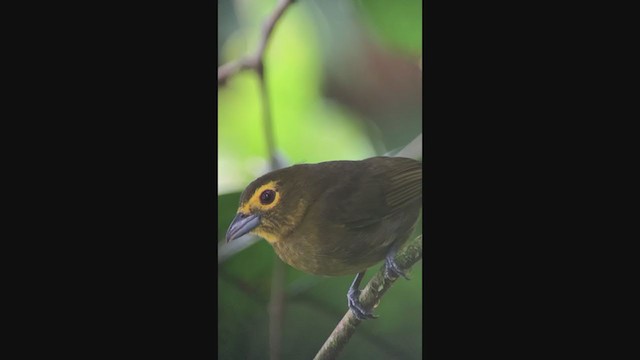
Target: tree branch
<point>268,126</point>
<point>370,296</point>
<point>391,349</point>
<point>413,150</point>
<point>254,61</point>
<point>227,250</point>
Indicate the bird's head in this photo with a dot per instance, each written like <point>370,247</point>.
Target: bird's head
<point>272,205</point>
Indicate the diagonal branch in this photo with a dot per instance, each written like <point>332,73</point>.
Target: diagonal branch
<point>371,295</point>
<point>413,150</point>
<point>392,350</point>
<point>254,61</point>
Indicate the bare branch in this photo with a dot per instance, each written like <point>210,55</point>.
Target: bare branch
<point>370,296</point>
<point>254,61</point>
<point>413,150</point>
<point>268,125</point>
<point>391,349</point>
<point>268,26</point>
<point>227,70</point>
<point>227,250</point>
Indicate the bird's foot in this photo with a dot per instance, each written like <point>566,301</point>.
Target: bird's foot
<point>353,297</point>
<point>392,270</point>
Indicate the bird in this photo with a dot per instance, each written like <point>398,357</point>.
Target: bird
<point>335,218</point>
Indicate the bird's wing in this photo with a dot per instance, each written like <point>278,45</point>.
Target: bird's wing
<point>382,188</point>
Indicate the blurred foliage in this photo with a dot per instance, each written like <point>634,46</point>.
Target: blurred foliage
<point>382,17</point>
<point>341,87</point>
<point>307,127</point>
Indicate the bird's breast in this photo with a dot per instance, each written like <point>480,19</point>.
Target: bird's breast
<point>331,254</point>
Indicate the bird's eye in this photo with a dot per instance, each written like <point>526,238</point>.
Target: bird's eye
<point>267,197</point>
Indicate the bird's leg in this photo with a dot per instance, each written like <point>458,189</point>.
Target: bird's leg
<point>353,299</point>
<point>392,270</point>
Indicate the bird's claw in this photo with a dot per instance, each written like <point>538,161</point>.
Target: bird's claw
<point>392,270</point>
<point>356,307</point>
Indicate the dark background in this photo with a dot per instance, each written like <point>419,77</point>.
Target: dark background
<point>119,167</point>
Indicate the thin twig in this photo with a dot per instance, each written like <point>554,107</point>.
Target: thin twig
<point>254,61</point>
<point>369,297</point>
<point>266,116</point>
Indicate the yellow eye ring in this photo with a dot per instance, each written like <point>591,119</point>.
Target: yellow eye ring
<point>264,198</point>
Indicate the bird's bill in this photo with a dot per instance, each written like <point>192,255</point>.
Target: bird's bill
<point>241,225</point>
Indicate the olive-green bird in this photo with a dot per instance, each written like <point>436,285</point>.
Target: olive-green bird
<point>336,217</point>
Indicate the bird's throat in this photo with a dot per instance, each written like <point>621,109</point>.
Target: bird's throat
<point>271,238</point>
